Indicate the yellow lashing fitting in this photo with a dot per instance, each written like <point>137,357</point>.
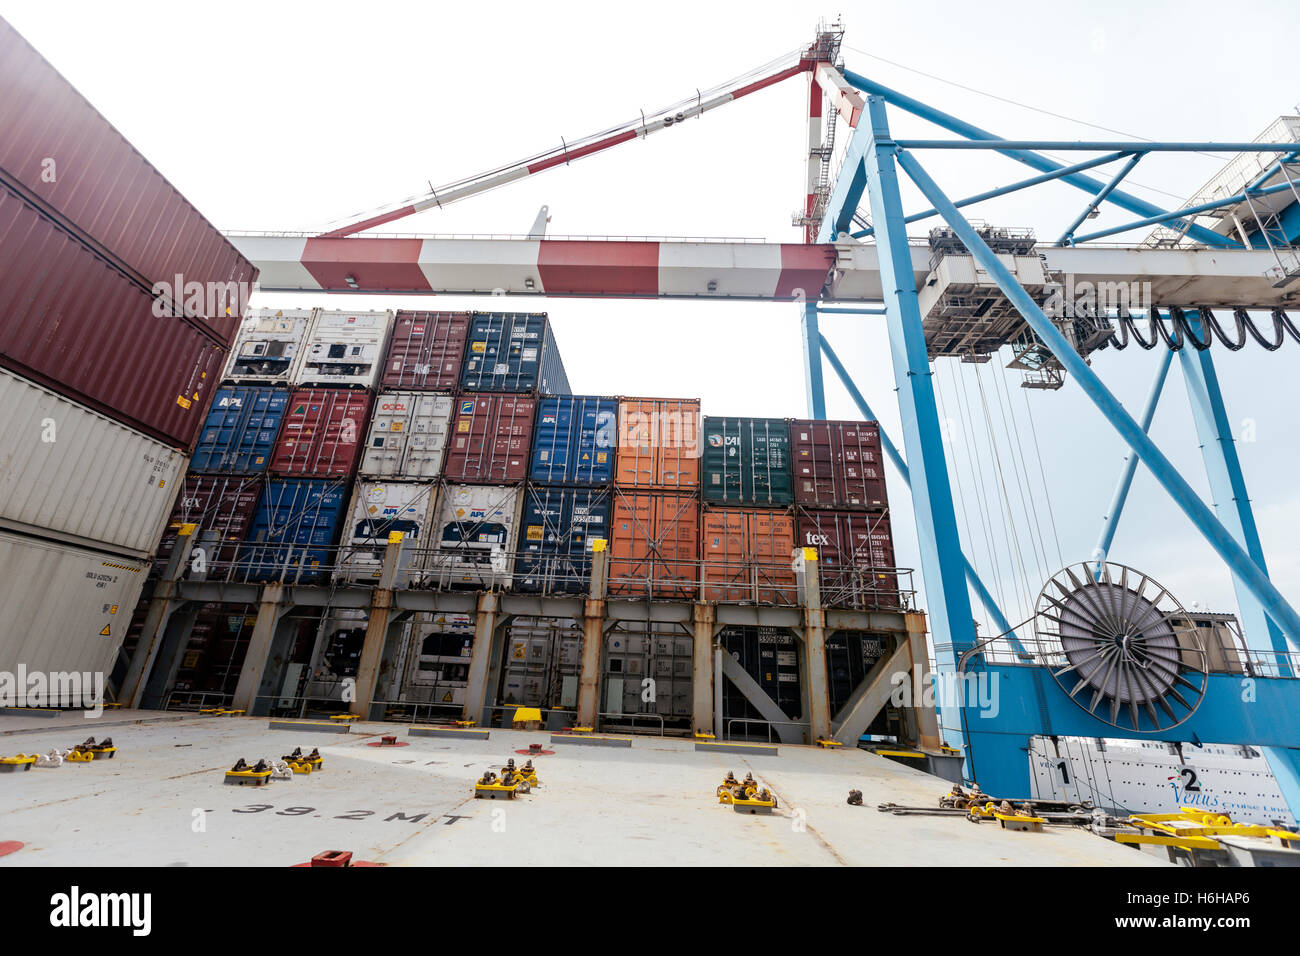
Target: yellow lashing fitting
<point>16,763</point>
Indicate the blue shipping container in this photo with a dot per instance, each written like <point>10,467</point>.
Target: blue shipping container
<point>574,440</point>
<point>559,525</point>
<point>240,430</point>
<point>513,352</point>
<point>294,531</point>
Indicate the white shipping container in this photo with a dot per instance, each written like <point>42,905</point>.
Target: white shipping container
<point>476,535</point>
<point>379,507</point>
<point>270,346</point>
<point>345,348</point>
<point>408,435</point>
<point>65,608</point>
<point>70,472</point>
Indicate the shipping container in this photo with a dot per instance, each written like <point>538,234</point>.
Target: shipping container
<point>379,508</point>
<point>837,464</point>
<point>65,608</point>
<point>294,531</point>
<point>222,507</point>
<point>855,551</point>
<point>658,443</point>
<point>241,429</point>
<point>210,664</point>
<point>435,668</point>
<point>490,438</point>
<point>559,525</point>
<point>475,534</point>
<point>574,441</point>
<point>850,656</point>
<point>270,346</point>
<point>647,677</point>
<point>72,322</point>
<point>322,433</point>
<point>69,158</point>
<point>513,352</point>
<point>345,348</point>
<point>543,660</point>
<point>427,350</point>
<point>654,544</point>
<point>770,655</point>
<point>747,555</point>
<point>407,435</point>
<point>747,461</point>
<point>70,472</point>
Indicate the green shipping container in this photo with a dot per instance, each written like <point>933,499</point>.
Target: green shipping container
<point>747,461</point>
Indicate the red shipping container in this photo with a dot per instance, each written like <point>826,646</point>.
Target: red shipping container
<point>837,464</point>
<point>322,433</point>
<point>747,555</point>
<point>73,323</point>
<point>654,545</point>
<point>490,439</point>
<point>427,350</point>
<point>57,146</point>
<point>223,507</point>
<point>855,551</point>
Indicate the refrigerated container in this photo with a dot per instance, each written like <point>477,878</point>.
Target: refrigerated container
<point>746,555</point>
<point>574,441</point>
<point>70,472</point>
<point>435,671</point>
<point>746,461</point>
<point>559,526</point>
<point>475,537</point>
<point>222,509</point>
<point>240,431</point>
<point>647,678</point>
<point>658,443</point>
<point>294,531</point>
<point>345,348</point>
<point>322,433</point>
<point>855,552</point>
<point>270,346</point>
<point>490,438</point>
<point>837,465</point>
<point>654,544</point>
<point>426,350</point>
<point>407,436</point>
<point>543,660</point>
<point>770,655</point>
<point>379,508</point>
<point>513,352</point>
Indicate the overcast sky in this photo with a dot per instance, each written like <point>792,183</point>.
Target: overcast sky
<point>291,116</point>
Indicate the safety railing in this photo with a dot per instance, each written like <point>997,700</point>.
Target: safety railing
<point>419,712</point>
<point>607,718</point>
<point>501,714</point>
<point>195,700</point>
<point>728,734</point>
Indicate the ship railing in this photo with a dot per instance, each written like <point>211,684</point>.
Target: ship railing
<point>195,700</point>
<point>501,715</point>
<point>609,720</point>
<point>729,734</point>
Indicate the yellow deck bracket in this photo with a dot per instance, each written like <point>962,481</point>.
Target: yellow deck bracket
<point>701,735</point>
<point>465,723</point>
<point>828,743</point>
<point>495,791</point>
<point>248,778</point>
<point>341,717</point>
<point>17,763</point>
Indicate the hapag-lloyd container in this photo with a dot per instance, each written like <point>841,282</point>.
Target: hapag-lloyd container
<point>771,657</point>
<point>490,438</point>
<point>559,525</point>
<point>344,348</point>
<point>379,508</point>
<point>294,529</point>
<point>270,346</point>
<point>69,470</point>
<point>837,464</point>
<point>746,461</point>
<point>513,352</point>
<point>57,145</point>
<point>475,533</point>
<point>66,608</point>
<point>407,435</point>
<point>427,350</point>
<point>241,429</point>
<point>322,432</point>
<point>855,551</point>
<point>574,441</point>
<point>658,444</point>
<point>654,544</point>
<point>71,322</point>
<point>222,507</point>
<point>747,554</point>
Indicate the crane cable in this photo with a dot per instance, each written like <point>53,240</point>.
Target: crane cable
<point>1047,493</point>
<point>1027,504</point>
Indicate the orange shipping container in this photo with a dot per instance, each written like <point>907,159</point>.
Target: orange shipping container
<point>658,443</point>
<point>746,555</point>
<point>654,545</point>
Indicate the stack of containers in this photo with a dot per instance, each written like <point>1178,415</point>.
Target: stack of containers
<point>402,457</point>
<point>511,362</point>
<point>843,511</point>
<point>747,526</point>
<point>106,365</point>
<point>655,521</point>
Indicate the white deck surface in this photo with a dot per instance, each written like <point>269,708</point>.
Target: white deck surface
<point>652,804</point>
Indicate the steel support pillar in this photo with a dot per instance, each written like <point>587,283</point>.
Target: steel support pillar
<point>171,651</point>
<point>259,661</point>
<point>927,721</point>
<point>813,644</point>
<point>812,362</point>
<point>481,656</point>
<point>593,637</point>
<point>702,668</point>
<point>376,640</point>
<point>154,632</point>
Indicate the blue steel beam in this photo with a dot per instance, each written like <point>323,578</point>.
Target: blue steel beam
<point>1143,146</point>
<point>947,596</point>
<point>1277,165</point>
<point>832,310</point>
<point>1219,537</point>
<point>997,618</point>
<point>1099,198</point>
<point>812,362</point>
<point>1111,521</point>
<point>847,193</point>
<point>951,123</point>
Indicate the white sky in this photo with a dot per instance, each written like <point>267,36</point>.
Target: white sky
<point>289,116</point>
